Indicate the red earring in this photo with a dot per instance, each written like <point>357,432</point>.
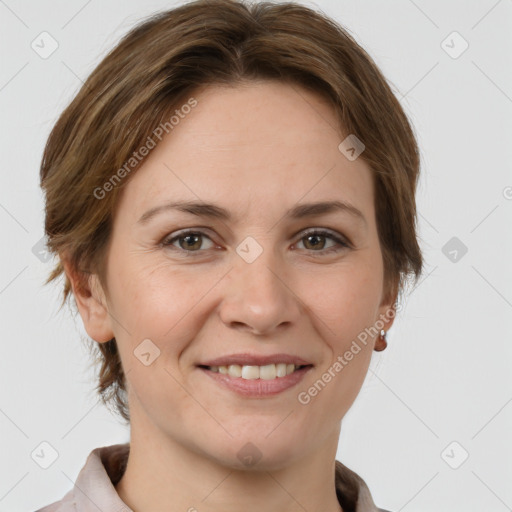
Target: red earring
<point>381,342</point>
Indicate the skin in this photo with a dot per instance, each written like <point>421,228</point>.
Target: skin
<point>257,150</point>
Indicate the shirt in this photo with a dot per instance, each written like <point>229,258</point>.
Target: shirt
<point>94,487</point>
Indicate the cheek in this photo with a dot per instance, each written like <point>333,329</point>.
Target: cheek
<point>157,303</point>
<point>345,304</point>
<point>345,300</point>
<point>147,294</point>
<point>162,302</point>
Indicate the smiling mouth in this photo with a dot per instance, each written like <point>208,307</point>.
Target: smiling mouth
<point>252,372</point>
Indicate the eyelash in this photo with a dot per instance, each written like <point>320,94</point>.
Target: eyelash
<point>315,232</point>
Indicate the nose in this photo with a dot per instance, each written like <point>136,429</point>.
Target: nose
<point>259,297</point>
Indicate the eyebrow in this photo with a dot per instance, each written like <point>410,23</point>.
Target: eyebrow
<point>210,210</point>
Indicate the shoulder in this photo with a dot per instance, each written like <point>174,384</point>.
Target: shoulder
<point>353,493</point>
<point>95,481</point>
<point>66,504</point>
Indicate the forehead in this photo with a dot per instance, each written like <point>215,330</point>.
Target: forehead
<point>254,148</point>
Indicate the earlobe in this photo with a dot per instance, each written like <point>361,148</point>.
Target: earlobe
<point>91,303</point>
<point>387,313</point>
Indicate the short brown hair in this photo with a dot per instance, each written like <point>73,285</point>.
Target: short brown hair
<point>169,55</point>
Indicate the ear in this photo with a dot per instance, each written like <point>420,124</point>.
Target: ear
<point>387,308</point>
<point>91,302</point>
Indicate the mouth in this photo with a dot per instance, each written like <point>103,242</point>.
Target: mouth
<point>256,376</point>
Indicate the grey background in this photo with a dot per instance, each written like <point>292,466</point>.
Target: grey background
<point>445,376</point>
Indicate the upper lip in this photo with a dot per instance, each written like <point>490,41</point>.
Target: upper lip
<point>255,360</point>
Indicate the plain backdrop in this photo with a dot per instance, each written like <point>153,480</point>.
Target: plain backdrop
<point>430,430</point>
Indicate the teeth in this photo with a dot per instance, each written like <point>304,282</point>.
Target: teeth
<point>281,369</point>
<point>267,372</point>
<point>235,370</point>
<point>250,372</point>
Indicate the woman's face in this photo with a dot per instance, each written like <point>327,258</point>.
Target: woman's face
<point>251,283</point>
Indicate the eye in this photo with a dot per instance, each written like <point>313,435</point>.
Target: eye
<point>316,239</point>
<point>189,241</point>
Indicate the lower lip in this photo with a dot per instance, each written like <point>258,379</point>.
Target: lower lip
<point>258,387</point>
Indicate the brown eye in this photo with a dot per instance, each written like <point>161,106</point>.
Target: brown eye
<point>316,241</point>
<point>189,241</point>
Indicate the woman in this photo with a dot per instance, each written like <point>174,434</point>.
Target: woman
<point>231,195</point>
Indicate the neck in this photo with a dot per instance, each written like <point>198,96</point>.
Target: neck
<point>164,475</point>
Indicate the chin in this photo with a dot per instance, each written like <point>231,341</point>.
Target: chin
<point>257,451</point>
